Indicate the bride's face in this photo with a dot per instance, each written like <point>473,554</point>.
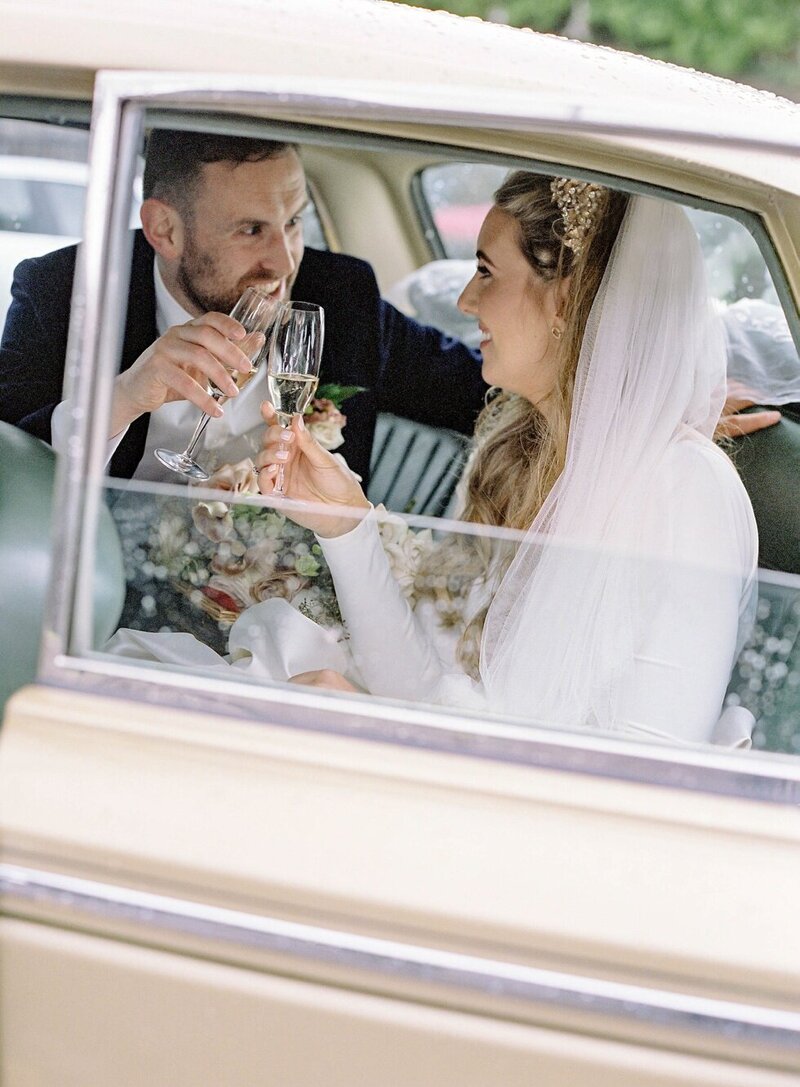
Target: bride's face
<point>516,311</point>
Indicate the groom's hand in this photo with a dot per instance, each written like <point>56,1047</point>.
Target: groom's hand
<point>734,425</point>
<point>180,365</point>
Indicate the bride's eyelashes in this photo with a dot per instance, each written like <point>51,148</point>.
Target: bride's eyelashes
<point>482,271</point>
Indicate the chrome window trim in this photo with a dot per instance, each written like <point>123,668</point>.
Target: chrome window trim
<point>774,1028</point>
<point>95,333</point>
<point>756,776</point>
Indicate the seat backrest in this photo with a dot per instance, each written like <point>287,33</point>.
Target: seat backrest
<point>415,468</point>
<point>27,470</point>
<point>769,463</point>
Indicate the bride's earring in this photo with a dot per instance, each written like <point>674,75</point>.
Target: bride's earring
<point>557,333</point>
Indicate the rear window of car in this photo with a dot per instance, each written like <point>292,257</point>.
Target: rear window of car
<point>456,196</point>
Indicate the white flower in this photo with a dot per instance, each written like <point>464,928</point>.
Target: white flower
<point>328,433</point>
<point>171,536</point>
<point>405,549</point>
<point>240,587</point>
<point>214,520</point>
<point>262,555</point>
<point>239,478</point>
<point>325,423</point>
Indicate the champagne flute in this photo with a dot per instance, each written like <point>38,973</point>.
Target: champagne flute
<point>256,312</point>
<point>295,352</point>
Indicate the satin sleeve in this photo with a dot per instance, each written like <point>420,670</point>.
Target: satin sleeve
<point>394,654</point>
<point>696,603</point>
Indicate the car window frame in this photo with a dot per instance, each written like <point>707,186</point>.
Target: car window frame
<point>121,100</point>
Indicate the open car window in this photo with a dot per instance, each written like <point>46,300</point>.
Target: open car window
<point>219,590</point>
<point>227,588</point>
<point>43,178</point>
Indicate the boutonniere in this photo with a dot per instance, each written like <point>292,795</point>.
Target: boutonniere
<point>324,417</point>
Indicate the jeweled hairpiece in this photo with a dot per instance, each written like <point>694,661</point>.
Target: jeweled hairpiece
<point>581,203</point>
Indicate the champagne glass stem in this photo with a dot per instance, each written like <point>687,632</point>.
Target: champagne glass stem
<point>199,430</point>
<point>279,479</point>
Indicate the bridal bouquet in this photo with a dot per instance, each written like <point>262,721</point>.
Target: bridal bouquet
<point>224,556</point>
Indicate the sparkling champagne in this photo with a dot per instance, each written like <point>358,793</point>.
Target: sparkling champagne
<point>290,393</point>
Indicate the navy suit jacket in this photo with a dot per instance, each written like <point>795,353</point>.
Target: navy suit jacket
<point>406,368</point>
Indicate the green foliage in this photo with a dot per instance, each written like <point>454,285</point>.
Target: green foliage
<point>546,15</point>
<point>724,36</point>
<point>337,394</point>
<point>727,37</point>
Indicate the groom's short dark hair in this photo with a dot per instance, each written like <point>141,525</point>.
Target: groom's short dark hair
<point>173,159</point>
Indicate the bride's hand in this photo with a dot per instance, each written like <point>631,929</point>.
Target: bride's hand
<point>325,678</point>
<point>311,474</point>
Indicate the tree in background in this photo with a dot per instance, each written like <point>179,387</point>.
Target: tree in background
<point>755,41</point>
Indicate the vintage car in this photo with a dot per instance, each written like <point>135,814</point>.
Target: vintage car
<point>208,878</point>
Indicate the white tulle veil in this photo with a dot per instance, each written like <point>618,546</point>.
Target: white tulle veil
<point>563,628</point>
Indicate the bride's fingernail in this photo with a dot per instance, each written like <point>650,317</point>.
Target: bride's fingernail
<point>282,454</point>
<point>286,435</point>
<point>300,424</point>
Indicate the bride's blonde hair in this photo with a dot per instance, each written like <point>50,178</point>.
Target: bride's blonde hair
<point>518,454</point>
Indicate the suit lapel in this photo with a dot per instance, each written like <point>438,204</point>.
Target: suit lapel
<point>140,324</point>
<point>140,333</point>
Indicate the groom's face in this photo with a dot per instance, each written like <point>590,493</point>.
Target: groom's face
<point>243,229</point>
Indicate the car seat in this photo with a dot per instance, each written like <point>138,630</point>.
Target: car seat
<point>27,471</point>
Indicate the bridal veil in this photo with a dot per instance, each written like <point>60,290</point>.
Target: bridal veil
<point>648,528</point>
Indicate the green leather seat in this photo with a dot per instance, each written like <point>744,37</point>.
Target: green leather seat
<point>27,469</point>
<point>415,468</point>
<point>769,464</point>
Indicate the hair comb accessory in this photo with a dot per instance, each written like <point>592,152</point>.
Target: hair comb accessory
<point>580,204</point>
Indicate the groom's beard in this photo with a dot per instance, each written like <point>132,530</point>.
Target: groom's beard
<point>202,282</point>
<point>199,279</point>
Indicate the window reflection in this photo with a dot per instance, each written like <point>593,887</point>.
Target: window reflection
<point>226,581</point>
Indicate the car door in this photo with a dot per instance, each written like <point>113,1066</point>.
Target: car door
<point>207,879</point>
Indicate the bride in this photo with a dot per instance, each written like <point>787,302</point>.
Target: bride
<point>627,598</point>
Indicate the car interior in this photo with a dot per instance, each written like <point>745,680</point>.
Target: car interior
<point>412,213</point>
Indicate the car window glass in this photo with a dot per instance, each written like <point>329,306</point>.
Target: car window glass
<point>41,207</point>
<point>16,200</point>
<point>42,183</point>
<point>229,588</point>
<point>457,196</point>
<point>313,232</point>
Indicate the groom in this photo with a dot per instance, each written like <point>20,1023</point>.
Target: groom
<point>221,213</point>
